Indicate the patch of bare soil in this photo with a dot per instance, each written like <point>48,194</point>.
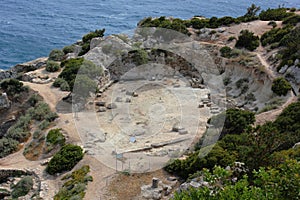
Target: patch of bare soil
<point>128,186</point>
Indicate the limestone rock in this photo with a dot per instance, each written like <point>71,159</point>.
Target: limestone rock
<point>111,106</point>
<point>100,103</point>
<point>4,101</point>
<point>102,109</point>
<point>95,42</point>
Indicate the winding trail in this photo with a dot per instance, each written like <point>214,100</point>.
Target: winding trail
<point>273,114</point>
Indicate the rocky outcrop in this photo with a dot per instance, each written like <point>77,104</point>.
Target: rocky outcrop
<point>105,51</point>
<point>15,71</point>
<point>4,101</point>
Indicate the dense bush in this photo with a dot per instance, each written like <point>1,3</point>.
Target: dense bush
<point>292,20</point>
<point>237,121</point>
<point>7,146</point>
<point>162,22</point>
<point>58,82</point>
<point>12,86</point>
<point>65,159</point>
<point>225,51</point>
<point>288,123</point>
<point>291,44</point>
<point>75,185</point>
<point>55,137</point>
<point>281,86</point>
<point>282,182</point>
<point>247,40</point>
<point>56,55</point>
<point>70,71</point>
<point>277,14</point>
<point>140,57</point>
<point>83,86</point>
<point>52,66</point>
<point>78,66</point>
<point>22,187</point>
<point>274,35</point>
<point>68,49</point>
<point>97,33</point>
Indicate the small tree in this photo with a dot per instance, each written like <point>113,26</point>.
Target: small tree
<point>247,40</point>
<point>281,86</point>
<point>252,10</point>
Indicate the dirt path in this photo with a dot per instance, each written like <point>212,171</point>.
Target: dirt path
<point>273,114</point>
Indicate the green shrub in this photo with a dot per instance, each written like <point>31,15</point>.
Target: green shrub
<point>75,186</point>
<point>12,86</point>
<point>293,9</point>
<point>274,35</point>
<point>277,14</point>
<point>52,66</point>
<point>237,121</point>
<point>83,86</point>
<point>292,20</point>
<point>55,137</point>
<point>64,86</point>
<point>247,40</point>
<point>68,49</point>
<point>231,38</point>
<point>198,23</point>
<point>34,99</point>
<point>65,159</point>
<point>22,187</point>
<point>226,52</point>
<point>77,68</point>
<point>40,111</point>
<point>70,70</point>
<point>140,57</point>
<point>272,23</point>
<point>58,82</point>
<point>7,146</point>
<point>86,40</point>
<point>56,55</point>
<point>18,134</point>
<point>290,43</point>
<point>97,33</point>
<point>44,124</point>
<point>84,49</point>
<point>281,86</point>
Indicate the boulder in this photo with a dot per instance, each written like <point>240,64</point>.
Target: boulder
<point>4,101</point>
<point>102,109</point>
<point>111,106</point>
<point>128,100</point>
<point>182,131</point>
<point>176,128</point>
<point>100,103</point>
<point>95,42</point>
<point>119,99</point>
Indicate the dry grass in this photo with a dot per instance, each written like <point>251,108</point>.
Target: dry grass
<point>128,187</point>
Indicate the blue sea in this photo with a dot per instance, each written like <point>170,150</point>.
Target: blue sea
<point>32,28</point>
